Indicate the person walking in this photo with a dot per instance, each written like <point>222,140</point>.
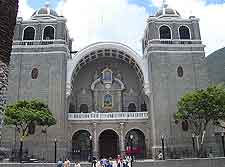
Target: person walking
<point>66,163</point>
<point>60,163</point>
<point>77,164</point>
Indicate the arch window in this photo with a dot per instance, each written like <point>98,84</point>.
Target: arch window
<point>165,32</point>
<point>29,33</point>
<point>132,107</point>
<point>83,108</point>
<point>184,125</point>
<point>184,32</point>
<point>180,71</point>
<point>107,75</point>
<point>34,73</point>
<point>108,101</point>
<point>49,33</point>
<point>72,108</point>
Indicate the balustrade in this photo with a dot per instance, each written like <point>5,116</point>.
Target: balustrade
<point>108,116</point>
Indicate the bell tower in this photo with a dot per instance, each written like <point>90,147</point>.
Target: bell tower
<point>175,54</point>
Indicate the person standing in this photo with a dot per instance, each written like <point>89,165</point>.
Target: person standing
<point>77,164</point>
<point>66,163</point>
<point>60,163</point>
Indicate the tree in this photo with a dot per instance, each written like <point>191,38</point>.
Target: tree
<point>24,113</point>
<point>200,108</point>
<point>8,13</point>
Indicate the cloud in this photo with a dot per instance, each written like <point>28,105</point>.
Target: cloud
<point>100,20</point>
<point>25,10</point>
<point>211,20</point>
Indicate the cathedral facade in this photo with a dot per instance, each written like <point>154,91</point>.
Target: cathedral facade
<point>107,99</point>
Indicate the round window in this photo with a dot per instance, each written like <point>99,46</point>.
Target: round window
<point>180,71</point>
<point>34,73</point>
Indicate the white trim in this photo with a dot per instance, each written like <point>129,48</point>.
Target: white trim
<point>44,30</point>
<point>183,25</point>
<point>25,29</point>
<point>171,32</point>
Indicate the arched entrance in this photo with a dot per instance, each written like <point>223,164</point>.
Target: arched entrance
<point>81,145</point>
<point>108,144</point>
<point>138,144</point>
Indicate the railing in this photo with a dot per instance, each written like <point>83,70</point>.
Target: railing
<point>107,116</point>
<point>38,42</point>
<point>174,41</point>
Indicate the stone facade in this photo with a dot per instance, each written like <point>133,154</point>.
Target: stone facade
<point>107,99</point>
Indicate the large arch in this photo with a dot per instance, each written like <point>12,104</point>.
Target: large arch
<point>106,49</point>
<point>137,142</point>
<point>81,145</point>
<point>108,144</point>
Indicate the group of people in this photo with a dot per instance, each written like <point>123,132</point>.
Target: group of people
<point>66,163</point>
<point>118,162</point>
<point>103,162</point>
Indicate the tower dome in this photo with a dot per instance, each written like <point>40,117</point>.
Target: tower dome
<point>45,11</point>
<point>167,12</point>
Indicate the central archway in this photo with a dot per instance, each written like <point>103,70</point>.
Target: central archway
<point>108,144</point>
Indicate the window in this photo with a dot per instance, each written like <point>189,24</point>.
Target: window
<point>165,32</point>
<point>184,32</point>
<point>31,128</point>
<point>107,75</point>
<point>28,33</point>
<point>107,100</point>
<point>71,108</point>
<point>34,73</point>
<point>49,33</point>
<point>83,108</point>
<point>180,71</point>
<point>143,107</point>
<point>132,107</point>
<point>184,125</point>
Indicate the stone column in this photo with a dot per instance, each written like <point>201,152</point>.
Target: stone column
<point>122,148</point>
<point>94,133</point>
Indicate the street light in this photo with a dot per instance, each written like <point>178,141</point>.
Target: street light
<point>222,138</point>
<point>131,149</point>
<point>55,141</point>
<point>91,156</point>
<point>163,149</point>
<point>193,141</point>
<point>21,149</point>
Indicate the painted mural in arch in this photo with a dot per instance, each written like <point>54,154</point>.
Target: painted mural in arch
<point>138,144</point>
<point>81,145</point>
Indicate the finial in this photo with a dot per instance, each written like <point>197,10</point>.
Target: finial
<point>47,4</point>
<point>164,6</point>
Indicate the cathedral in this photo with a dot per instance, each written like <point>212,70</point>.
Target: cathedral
<point>107,99</point>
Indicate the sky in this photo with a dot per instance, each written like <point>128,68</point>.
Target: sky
<point>124,21</point>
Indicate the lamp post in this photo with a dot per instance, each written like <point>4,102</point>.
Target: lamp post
<point>91,156</point>
<point>131,150</point>
<point>55,141</point>
<point>193,141</point>
<point>163,147</point>
<point>21,149</point>
<point>222,138</point>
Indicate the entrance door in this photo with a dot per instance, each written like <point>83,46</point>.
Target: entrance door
<point>108,144</point>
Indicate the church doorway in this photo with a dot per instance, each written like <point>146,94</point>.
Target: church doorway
<point>108,144</point>
<point>81,145</point>
<point>137,142</point>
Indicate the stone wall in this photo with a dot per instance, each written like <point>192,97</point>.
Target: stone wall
<point>215,162</point>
